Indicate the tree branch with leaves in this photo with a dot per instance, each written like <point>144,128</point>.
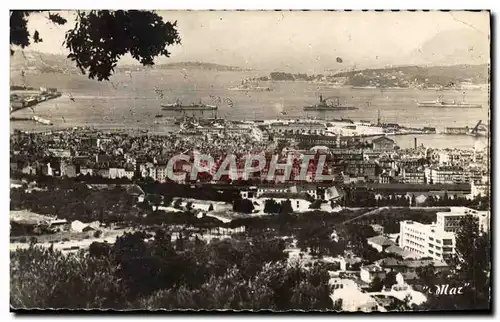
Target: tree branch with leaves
<point>100,38</point>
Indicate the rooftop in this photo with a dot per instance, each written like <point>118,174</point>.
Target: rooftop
<point>286,195</point>
<point>381,240</point>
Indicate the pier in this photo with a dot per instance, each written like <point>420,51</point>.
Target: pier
<point>27,97</point>
<point>34,118</point>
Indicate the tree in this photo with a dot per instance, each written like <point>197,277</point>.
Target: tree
<point>178,203</point>
<point>243,205</point>
<point>376,285</point>
<point>472,272</point>
<point>316,204</point>
<point>390,280</point>
<point>100,38</point>
<point>156,200</point>
<point>211,208</point>
<point>286,207</point>
<point>45,278</point>
<point>271,206</point>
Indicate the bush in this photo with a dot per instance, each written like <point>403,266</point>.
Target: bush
<point>97,234</point>
<point>45,278</point>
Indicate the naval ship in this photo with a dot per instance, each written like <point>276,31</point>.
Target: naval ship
<point>178,106</point>
<point>248,87</point>
<point>440,103</point>
<point>324,105</point>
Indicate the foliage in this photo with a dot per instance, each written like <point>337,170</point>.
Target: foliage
<point>315,205</point>
<point>431,76</point>
<point>389,280</point>
<point>172,190</point>
<point>178,203</point>
<point>277,287</point>
<point>101,37</point>
<point>271,206</point>
<point>133,273</point>
<point>472,272</point>
<point>76,201</point>
<point>286,207</point>
<point>376,285</point>
<point>243,205</point>
<point>156,200</point>
<point>44,278</point>
<point>390,218</point>
<point>318,241</point>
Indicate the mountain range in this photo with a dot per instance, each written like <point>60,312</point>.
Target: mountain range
<point>453,47</point>
<point>37,62</point>
<point>447,48</point>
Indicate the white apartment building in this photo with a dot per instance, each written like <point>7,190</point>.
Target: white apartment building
<point>413,176</point>
<point>437,240</point>
<point>450,221</point>
<point>426,240</point>
<point>116,173</point>
<point>447,175</point>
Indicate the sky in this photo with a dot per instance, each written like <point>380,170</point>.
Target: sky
<point>291,39</point>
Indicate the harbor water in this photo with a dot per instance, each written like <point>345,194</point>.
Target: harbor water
<point>132,100</point>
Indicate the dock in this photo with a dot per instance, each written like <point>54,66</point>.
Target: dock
<point>34,118</point>
<point>20,99</point>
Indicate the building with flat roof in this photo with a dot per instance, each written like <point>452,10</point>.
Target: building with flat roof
<point>426,240</point>
<point>437,240</point>
<point>450,221</point>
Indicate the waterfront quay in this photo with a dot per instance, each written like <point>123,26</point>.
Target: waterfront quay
<point>23,97</point>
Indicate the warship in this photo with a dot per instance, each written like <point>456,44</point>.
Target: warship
<point>325,105</point>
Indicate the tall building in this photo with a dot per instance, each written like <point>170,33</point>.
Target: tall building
<point>437,240</point>
<point>426,240</point>
<point>450,221</point>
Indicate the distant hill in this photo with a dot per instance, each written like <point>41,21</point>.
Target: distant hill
<point>407,76</point>
<point>37,62</point>
<point>32,61</point>
<point>184,65</point>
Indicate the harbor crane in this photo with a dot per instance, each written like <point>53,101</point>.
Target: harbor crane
<point>479,126</point>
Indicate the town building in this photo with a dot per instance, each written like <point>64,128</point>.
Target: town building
<point>383,143</point>
<point>380,243</point>
<point>480,189</point>
<point>447,175</point>
<point>426,240</point>
<point>437,240</point>
<point>369,272</point>
<point>450,221</point>
<point>313,128</point>
<point>300,201</point>
<point>362,169</point>
<point>115,173</point>
<point>413,176</point>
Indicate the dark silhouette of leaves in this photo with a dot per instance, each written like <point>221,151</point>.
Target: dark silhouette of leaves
<point>36,37</point>
<point>19,34</point>
<point>101,37</point>
<point>57,19</point>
